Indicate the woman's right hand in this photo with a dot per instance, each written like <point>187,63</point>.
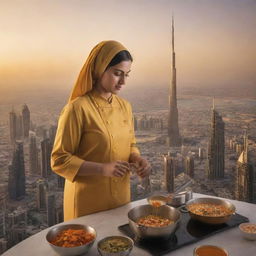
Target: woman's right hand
<point>115,169</point>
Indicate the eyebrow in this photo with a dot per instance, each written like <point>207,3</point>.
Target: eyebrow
<point>116,69</point>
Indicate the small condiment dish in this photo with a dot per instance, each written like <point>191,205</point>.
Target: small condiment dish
<point>248,230</point>
<point>115,246</point>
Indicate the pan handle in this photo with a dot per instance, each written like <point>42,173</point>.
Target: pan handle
<point>183,209</point>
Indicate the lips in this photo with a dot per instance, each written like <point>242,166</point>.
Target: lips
<point>118,87</point>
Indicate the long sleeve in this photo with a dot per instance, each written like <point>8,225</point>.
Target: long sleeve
<point>64,160</point>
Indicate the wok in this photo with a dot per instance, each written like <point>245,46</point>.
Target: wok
<point>211,219</point>
<point>164,211</point>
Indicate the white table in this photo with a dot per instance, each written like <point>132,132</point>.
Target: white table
<point>106,223</point>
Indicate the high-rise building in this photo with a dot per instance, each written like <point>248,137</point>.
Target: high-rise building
<point>169,172</point>
<point>12,125</point>
<point>51,210</point>
<point>25,120</point>
<point>34,166</point>
<point>19,127</point>
<point>41,193</point>
<point>216,147</point>
<point>16,181</point>
<point>246,174</point>
<point>174,139</point>
<point>61,182</point>
<point>17,225</point>
<point>46,148</point>
<point>189,166</point>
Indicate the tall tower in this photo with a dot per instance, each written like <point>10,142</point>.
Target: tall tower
<point>16,181</point>
<point>216,148</point>
<point>174,139</point>
<point>189,166</point>
<point>41,194</point>
<point>34,167</point>
<point>46,148</point>
<point>246,174</point>
<point>12,125</point>
<point>51,209</point>
<point>169,172</point>
<point>25,120</point>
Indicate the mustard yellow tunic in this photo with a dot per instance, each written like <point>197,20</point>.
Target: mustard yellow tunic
<point>92,129</point>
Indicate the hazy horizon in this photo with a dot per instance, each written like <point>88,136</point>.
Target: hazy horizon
<point>45,43</point>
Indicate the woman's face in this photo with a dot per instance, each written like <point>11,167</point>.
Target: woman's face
<point>114,78</point>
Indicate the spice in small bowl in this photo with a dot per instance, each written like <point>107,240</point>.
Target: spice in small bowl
<point>248,230</point>
<point>115,245</point>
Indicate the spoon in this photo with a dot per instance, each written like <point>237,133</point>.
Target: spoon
<point>159,200</point>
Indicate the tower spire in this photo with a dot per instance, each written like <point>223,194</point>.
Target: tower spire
<point>173,127</point>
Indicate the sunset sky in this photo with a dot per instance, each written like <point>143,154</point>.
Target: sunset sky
<point>43,44</point>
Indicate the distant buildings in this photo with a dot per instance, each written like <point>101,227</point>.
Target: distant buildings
<point>148,123</point>
<point>16,181</point>
<point>216,147</point>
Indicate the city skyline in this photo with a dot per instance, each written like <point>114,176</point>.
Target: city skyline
<point>44,44</point>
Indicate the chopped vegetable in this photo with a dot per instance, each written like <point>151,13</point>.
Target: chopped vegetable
<point>73,238</point>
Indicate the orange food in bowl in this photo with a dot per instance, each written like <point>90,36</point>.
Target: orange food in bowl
<point>154,221</point>
<point>249,228</point>
<point>73,238</point>
<point>209,250</point>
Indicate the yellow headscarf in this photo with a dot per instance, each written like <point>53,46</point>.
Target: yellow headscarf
<point>95,65</point>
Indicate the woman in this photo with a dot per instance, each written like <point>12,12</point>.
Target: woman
<point>95,141</point>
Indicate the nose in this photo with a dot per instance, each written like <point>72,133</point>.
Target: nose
<point>122,80</point>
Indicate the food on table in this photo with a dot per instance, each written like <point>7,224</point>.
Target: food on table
<point>208,250</point>
<point>115,245</point>
<point>249,228</point>
<point>211,210</point>
<point>154,221</point>
<point>73,238</point>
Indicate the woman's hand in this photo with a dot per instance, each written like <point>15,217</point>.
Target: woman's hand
<point>143,167</point>
<point>115,169</point>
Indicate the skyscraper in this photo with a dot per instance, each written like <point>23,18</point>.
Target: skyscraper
<point>51,210</point>
<point>41,192</point>
<point>169,172</point>
<point>174,139</point>
<point>34,167</point>
<point>12,125</point>
<point>189,166</point>
<point>25,120</point>
<point>46,148</point>
<point>246,174</point>
<point>216,147</point>
<point>16,182</point>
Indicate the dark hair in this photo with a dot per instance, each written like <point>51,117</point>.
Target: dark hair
<point>119,57</point>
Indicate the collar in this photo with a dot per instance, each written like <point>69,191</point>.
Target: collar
<point>100,100</point>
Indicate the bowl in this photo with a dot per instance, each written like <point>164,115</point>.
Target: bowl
<point>164,211</point>
<point>213,220</point>
<point>115,246</point>
<point>248,230</point>
<point>70,251</point>
<point>207,250</point>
